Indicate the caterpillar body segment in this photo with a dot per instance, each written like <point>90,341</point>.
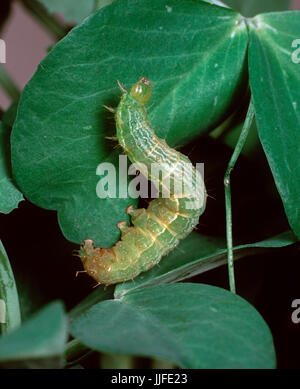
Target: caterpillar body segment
<point>157,230</point>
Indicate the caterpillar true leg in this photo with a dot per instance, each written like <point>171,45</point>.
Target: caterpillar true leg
<point>79,271</point>
<point>158,229</point>
<point>110,109</point>
<point>114,138</point>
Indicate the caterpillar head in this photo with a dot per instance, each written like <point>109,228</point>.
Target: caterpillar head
<point>97,262</point>
<point>141,90</point>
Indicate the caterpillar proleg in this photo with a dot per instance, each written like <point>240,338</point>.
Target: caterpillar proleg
<point>157,230</point>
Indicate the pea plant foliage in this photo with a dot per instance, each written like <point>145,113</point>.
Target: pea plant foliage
<point>216,78</point>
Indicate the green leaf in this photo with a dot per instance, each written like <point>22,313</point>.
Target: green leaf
<point>75,352</point>
<point>254,7</point>
<point>38,343</point>
<point>275,83</point>
<point>10,196</point>
<point>216,2</point>
<point>195,255</point>
<point>72,10</point>
<point>100,294</point>
<point>191,325</point>
<point>10,317</point>
<point>31,296</point>
<point>59,136</point>
<point>102,3</point>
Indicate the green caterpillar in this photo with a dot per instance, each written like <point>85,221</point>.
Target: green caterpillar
<point>158,229</point>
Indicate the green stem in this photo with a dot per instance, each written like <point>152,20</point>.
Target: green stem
<point>238,148</point>
<point>236,118</point>
<point>101,3</point>
<point>161,364</point>
<point>51,23</point>
<point>10,316</point>
<point>8,84</point>
<point>115,361</point>
<point>75,350</point>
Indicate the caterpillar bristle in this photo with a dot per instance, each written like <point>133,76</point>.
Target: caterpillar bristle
<point>110,109</point>
<point>211,197</point>
<point>121,87</point>
<point>114,138</point>
<point>76,253</point>
<point>80,271</point>
<point>180,250</point>
<point>117,146</point>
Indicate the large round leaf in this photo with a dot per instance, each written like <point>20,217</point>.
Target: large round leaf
<point>275,82</point>
<point>193,52</point>
<point>191,325</point>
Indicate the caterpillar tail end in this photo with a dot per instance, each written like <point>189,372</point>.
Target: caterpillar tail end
<point>97,262</point>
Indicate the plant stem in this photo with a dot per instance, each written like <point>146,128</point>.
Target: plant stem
<point>101,3</point>
<point>115,361</point>
<point>161,364</point>
<point>236,118</point>
<point>9,301</point>
<point>238,148</point>
<point>8,84</point>
<point>74,350</point>
<point>51,23</point>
